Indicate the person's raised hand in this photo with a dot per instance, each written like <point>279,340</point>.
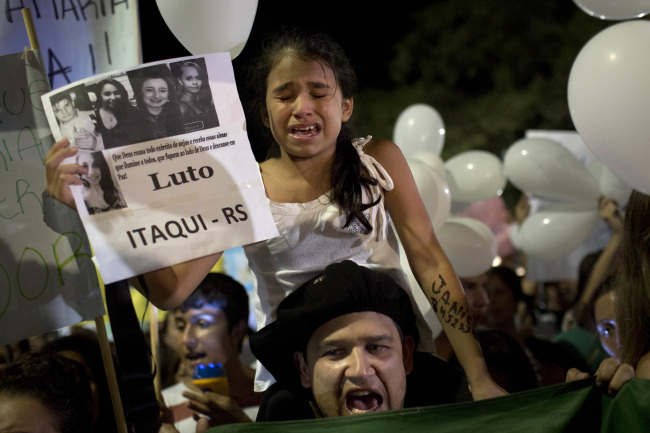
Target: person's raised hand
<point>60,177</point>
<point>610,376</point>
<point>608,211</point>
<point>218,408</point>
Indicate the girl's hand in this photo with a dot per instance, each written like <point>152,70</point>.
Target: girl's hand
<point>608,210</point>
<point>60,177</point>
<point>219,408</point>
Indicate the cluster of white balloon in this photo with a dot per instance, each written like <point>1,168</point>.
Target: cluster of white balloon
<point>471,176</point>
<point>541,167</point>
<point>608,92</point>
<point>468,177</point>
<point>546,169</point>
<point>608,100</point>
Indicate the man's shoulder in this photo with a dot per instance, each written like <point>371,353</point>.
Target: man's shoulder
<point>281,403</point>
<point>434,381</point>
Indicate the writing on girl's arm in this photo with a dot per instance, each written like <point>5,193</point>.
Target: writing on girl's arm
<point>432,268</point>
<point>453,314</point>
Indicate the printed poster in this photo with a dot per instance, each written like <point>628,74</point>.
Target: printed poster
<point>172,176</point>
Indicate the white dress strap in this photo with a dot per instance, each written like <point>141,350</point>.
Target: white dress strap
<point>374,168</point>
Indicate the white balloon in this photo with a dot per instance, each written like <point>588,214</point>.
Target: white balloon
<point>555,231</point>
<point>469,244</point>
<point>595,167</point>
<point>419,128</point>
<point>433,191</point>
<point>609,99</point>
<point>210,26</point>
<point>546,168</point>
<point>611,186</point>
<point>432,160</point>
<point>474,175</point>
<point>614,9</point>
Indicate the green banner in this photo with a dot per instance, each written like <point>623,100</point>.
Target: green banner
<point>569,407</point>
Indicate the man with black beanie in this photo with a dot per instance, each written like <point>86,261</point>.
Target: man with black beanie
<point>343,343</point>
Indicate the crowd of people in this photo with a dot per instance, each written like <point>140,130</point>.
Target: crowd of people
<point>338,331</point>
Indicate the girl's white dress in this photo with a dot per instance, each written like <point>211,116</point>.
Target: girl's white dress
<point>311,237</point>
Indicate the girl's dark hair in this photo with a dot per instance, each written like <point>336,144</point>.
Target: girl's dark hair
<point>633,282</point>
<point>347,174</point>
<point>59,383</point>
<point>124,100</point>
<point>602,289</point>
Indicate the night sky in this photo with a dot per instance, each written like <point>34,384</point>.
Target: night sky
<point>367,37</point>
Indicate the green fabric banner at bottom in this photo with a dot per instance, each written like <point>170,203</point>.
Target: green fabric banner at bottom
<point>569,407</point>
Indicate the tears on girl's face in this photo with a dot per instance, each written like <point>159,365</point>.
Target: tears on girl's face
<point>305,108</point>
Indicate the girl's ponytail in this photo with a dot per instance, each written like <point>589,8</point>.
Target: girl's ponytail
<point>348,177</point>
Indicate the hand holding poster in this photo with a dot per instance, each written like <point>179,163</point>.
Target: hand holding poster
<point>171,176</point>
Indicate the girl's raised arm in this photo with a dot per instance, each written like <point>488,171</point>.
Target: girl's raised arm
<point>431,267</point>
<point>169,287</point>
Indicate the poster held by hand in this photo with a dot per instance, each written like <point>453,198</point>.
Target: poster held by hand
<point>170,185</point>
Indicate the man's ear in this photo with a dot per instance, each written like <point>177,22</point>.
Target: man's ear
<point>407,353</point>
<point>264,113</point>
<point>303,369</point>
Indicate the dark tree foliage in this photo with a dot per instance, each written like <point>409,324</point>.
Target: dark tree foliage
<point>492,68</point>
